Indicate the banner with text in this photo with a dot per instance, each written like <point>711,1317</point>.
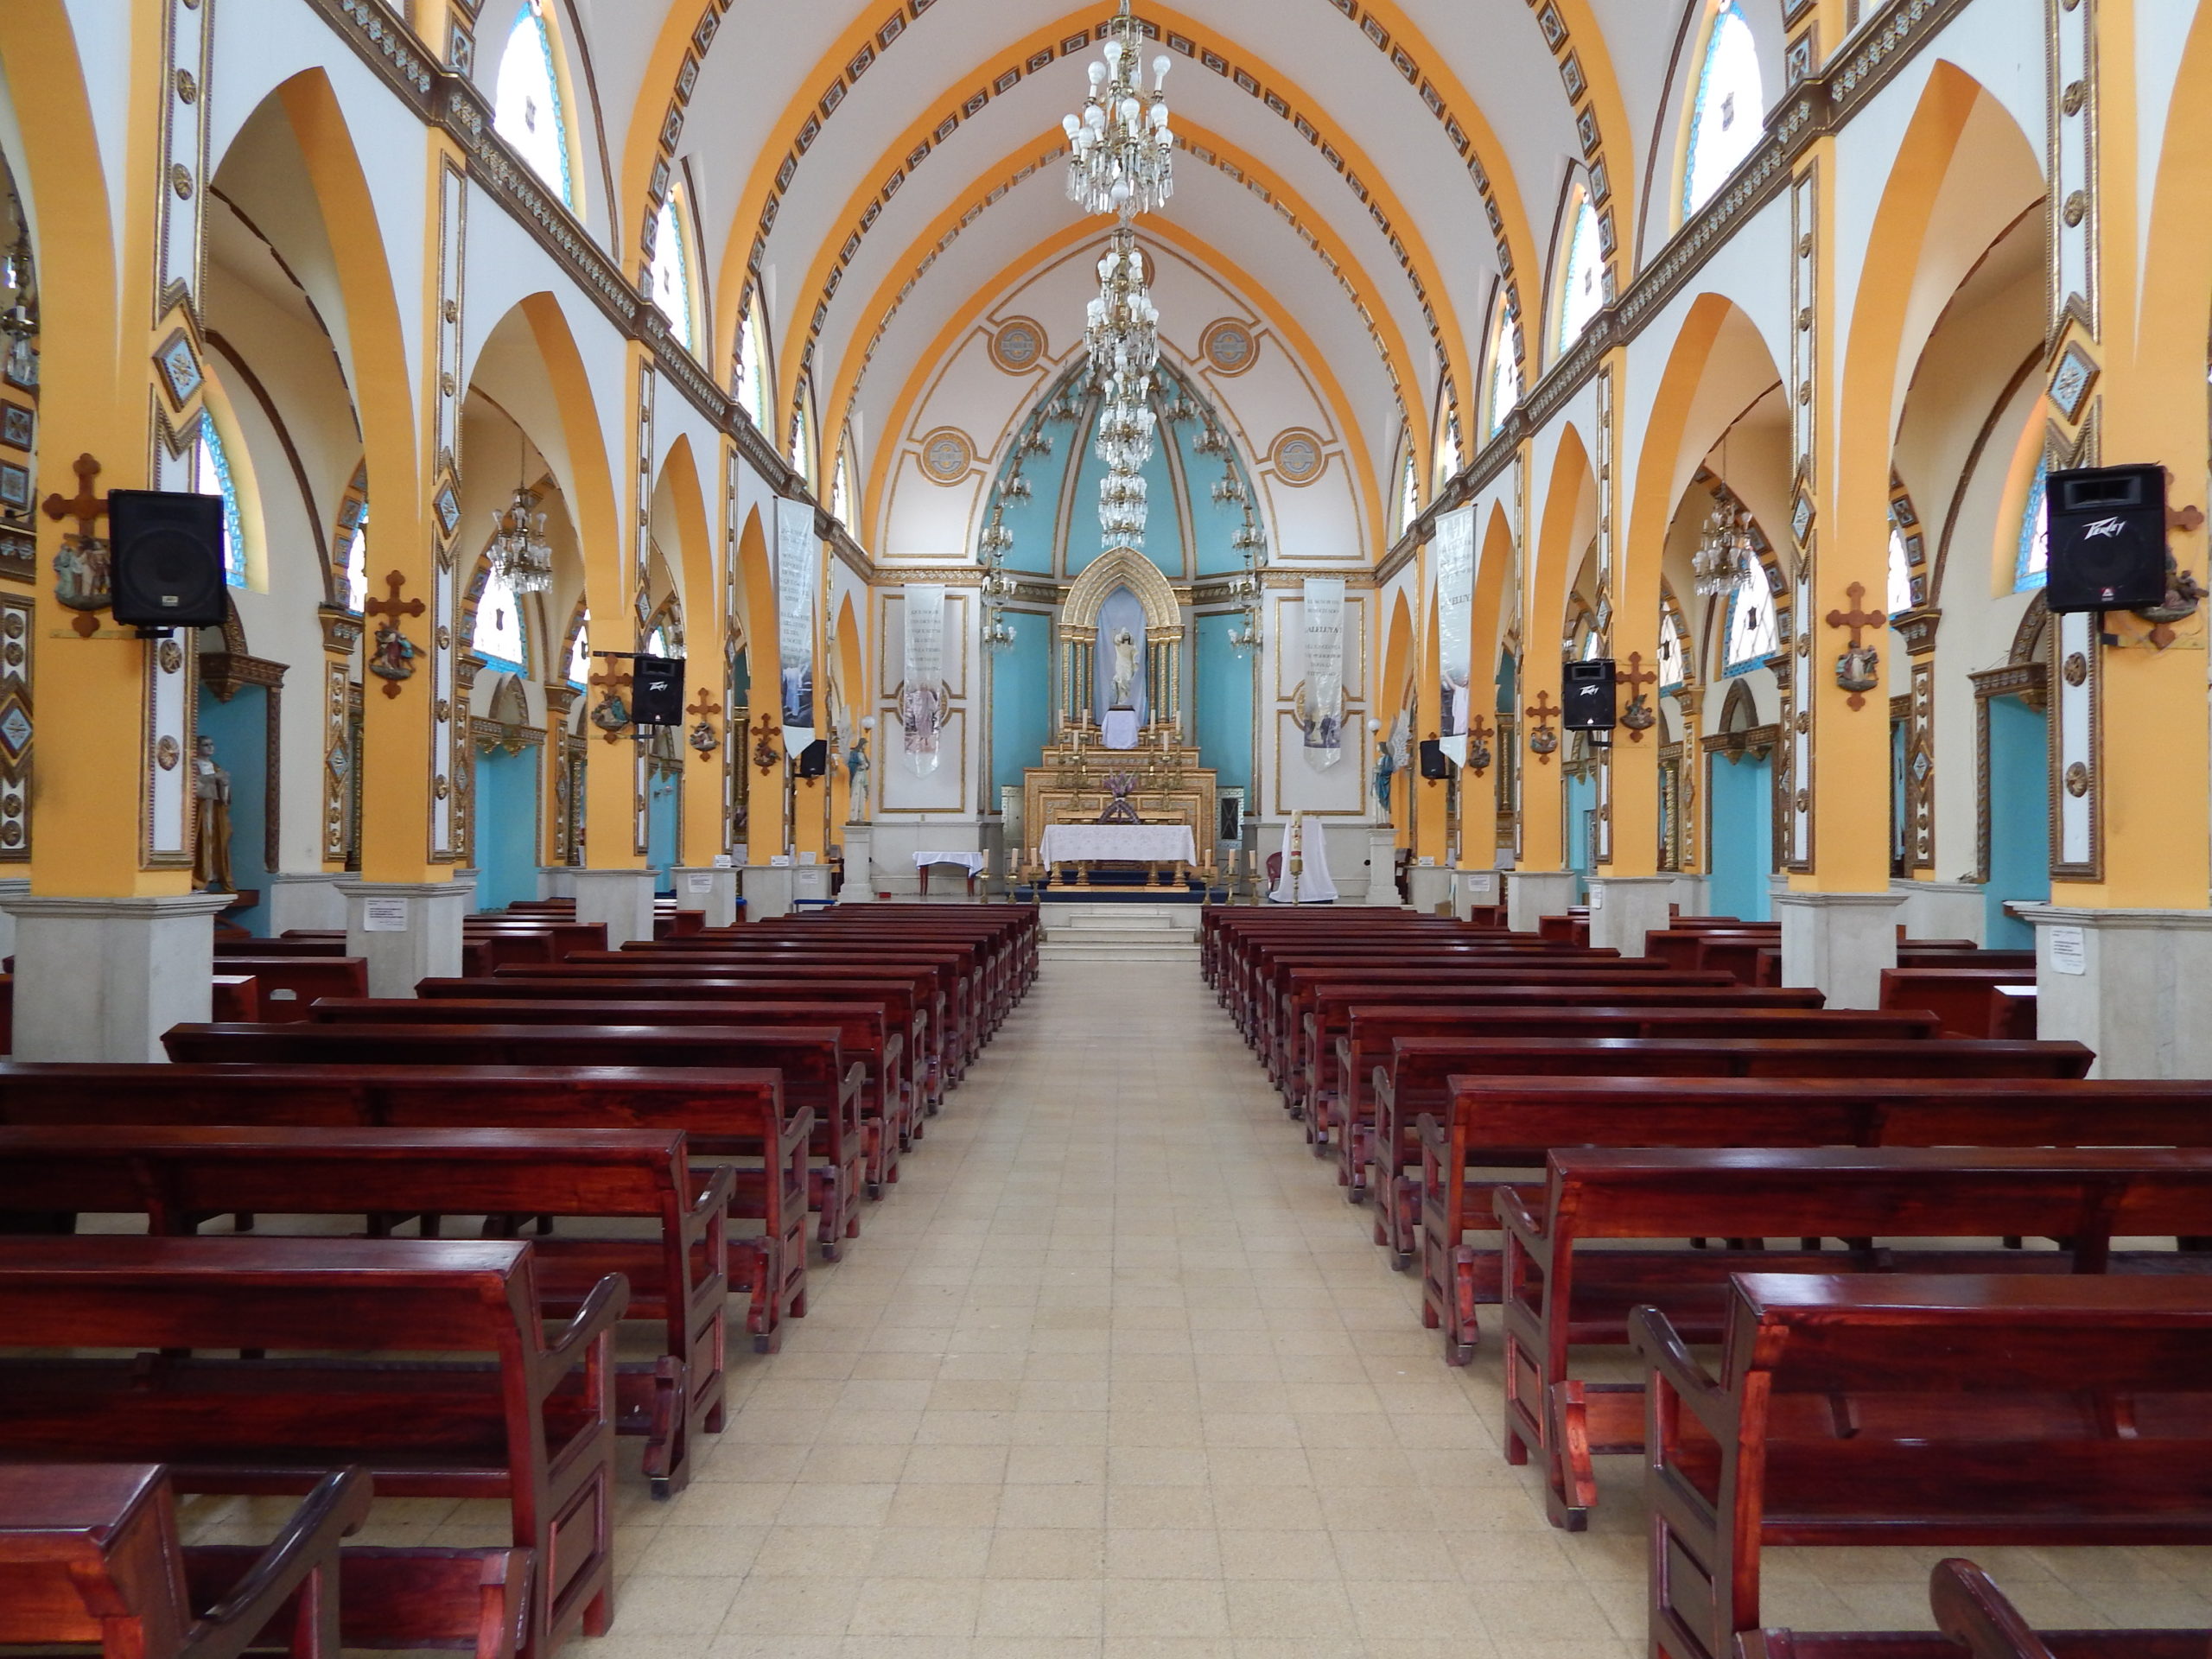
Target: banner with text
<point>1453,551</point>
<point>921,696</point>
<point>799,578</point>
<point>1321,710</point>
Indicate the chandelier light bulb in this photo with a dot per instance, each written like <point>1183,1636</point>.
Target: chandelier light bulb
<point>1161,65</point>
<point>1099,70</point>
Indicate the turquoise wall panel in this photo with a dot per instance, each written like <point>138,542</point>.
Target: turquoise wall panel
<point>1225,710</point>
<point>240,729</point>
<point>506,828</point>
<point>1021,702</point>
<point>1743,837</point>
<point>1581,806</point>
<point>2019,820</point>
<point>660,831</point>
<point>1163,540</point>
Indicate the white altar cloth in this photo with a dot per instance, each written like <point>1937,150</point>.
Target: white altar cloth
<point>1118,728</point>
<point>1137,843</point>
<point>974,863</point>
<point>1312,885</point>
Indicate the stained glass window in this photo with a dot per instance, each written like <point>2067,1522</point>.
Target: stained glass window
<point>1751,635</point>
<point>672,271</point>
<point>803,440</point>
<point>526,101</point>
<point>753,379</point>
<point>1730,106</point>
<point>580,652</point>
<point>1582,292</point>
<point>2035,535</point>
<point>841,490</point>
<point>499,637</point>
<point>357,564</point>
<point>1409,489</point>
<point>211,475</point>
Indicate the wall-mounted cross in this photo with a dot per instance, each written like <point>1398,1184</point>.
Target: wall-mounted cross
<point>705,741</point>
<point>609,681</point>
<point>87,509</point>
<point>1543,740</point>
<point>706,708</point>
<point>1478,736</point>
<point>1855,668</point>
<point>392,606</point>
<point>1636,679</point>
<point>392,659</point>
<point>765,754</point>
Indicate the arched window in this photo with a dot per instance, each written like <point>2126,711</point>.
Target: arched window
<point>500,636</point>
<point>1674,660</point>
<point>526,101</point>
<point>1504,388</point>
<point>1728,107</point>
<point>2035,535</point>
<point>803,456</point>
<point>656,642</point>
<point>1900,573</point>
<point>1408,508</point>
<point>755,374</point>
<point>1751,634</point>
<point>211,475</point>
<point>580,652</point>
<point>841,489</point>
<point>671,276</point>
<point>357,564</point>
<point>1582,273</point>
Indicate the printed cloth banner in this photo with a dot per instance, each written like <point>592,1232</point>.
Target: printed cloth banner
<point>1454,552</point>
<point>799,578</point>
<point>921,698</point>
<point>1320,712</point>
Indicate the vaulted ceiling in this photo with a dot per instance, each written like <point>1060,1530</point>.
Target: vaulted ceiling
<point>1367,168</point>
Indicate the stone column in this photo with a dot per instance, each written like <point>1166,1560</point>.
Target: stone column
<point>1839,943</point>
<point>1942,910</point>
<point>408,930</point>
<point>770,890</point>
<point>556,880</point>
<point>711,888</point>
<point>309,898</point>
<point>1532,893</point>
<point>860,865</point>
<point>621,899</point>
<point>1383,867</point>
<point>1474,890</point>
<point>2130,983</point>
<point>1623,908</point>
<point>1429,887</point>
<point>101,979</point>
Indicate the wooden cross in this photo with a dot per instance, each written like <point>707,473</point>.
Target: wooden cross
<point>706,708</point>
<point>765,754</point>
<point>87,509</point>
<point>1636,679</point>
<point>1541,712</point>
<point>1478,737</point>
<point>607,680</point>
<point>392,606</point>
<point>1857,618</point>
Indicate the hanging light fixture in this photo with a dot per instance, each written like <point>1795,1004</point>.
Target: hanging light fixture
<point>521,556</point>
<point>1727,549</point>
<point>18,321</point>
<point>1120,150</point>
<point>996,542</point>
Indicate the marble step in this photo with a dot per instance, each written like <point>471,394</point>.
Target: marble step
<point>1150,949</point>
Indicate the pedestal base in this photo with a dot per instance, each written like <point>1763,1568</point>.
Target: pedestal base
<point>769,891</point>
<point>101,979</point>
<point>556,880</point>
<point>1383,867</point>
<point>408,930</point>
<point>1943,910</point>
<point>2130,983</point>
<point>1532,893</point>
<point>1839,943</point>
<point>860,865</point>
<point>1474,890</point>
<point>1623,908</point>
<point>309,900</point>
<point>621,899</point>
<point>709,889</point>
<point>1693,896</point>
<point>1429,890</point>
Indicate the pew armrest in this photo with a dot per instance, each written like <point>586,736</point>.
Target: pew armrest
<point>601,1312</point>
<point>1519,1224</point>
<point>1974,1613</point>
<point>335,1510</point>
<point>1652,1336</point>
<point>714,1201</point>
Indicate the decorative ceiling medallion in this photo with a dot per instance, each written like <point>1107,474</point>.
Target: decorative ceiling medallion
<point>948,454</point>
<point>1229,347</point>
<point>1298,456</point>
<point>1018,345</point>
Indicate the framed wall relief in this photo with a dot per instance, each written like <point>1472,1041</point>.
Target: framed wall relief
<point>18,425</point>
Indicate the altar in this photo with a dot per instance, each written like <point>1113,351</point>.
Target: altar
<point>1153,845</point>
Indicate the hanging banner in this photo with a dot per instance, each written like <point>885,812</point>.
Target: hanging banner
<point>921,696</point>
<point>799,578</point>
<point>1320,710</point>
<point>1454,553</point>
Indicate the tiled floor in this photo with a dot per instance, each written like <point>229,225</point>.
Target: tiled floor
<point>1114,1372</point>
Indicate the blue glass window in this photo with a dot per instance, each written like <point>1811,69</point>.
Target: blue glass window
<point>211,475</point>
<point>671,275</point>
<point>526,101</point>
<point>501,638</point>
<point>1504,372</point>
<point>1751,636</point>
<point>1674,661</point>
<point>580,652</point>
<point>2035,535</point>
<point>1582,293</point>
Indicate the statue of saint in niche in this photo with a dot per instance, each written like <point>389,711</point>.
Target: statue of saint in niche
<point>211,847</point>
<point>1127,656</point>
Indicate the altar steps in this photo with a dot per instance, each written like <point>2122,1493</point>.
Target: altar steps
<point>1078,932</point>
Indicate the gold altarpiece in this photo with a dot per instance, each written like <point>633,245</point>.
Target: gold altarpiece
<point>1069,784</point>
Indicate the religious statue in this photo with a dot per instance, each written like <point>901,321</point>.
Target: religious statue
<point>80,571</point>
<point>1386,768</point>
<point>856,769</point>
<point>211,847</point>
<point>1125,668</point>
<point>391,657</point>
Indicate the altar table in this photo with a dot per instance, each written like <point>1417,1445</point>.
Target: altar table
<point>973,863</point>
<point>1119,843</point>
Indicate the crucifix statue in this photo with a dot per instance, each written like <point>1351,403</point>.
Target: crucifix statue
<point>392,655</point>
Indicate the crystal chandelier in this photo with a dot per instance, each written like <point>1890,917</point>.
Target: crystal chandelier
<point>1120,150</point>
<point>520,555</point>
<point>994,544</point>
<point>1123,333</point>
<point>17,321</point>
<point>1726,552</point>
<point>1126,428</point>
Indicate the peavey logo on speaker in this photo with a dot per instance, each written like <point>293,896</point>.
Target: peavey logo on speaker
<point>2102,528</point>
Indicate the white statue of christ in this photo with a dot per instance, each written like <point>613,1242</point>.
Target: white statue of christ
<point>1125,668</point>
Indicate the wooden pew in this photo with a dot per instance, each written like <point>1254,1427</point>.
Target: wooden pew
<point>91,1553</point>
<point>1256,991</point>
<point>1421,1073</point>
<point>724,1114</point>
<point>526,1418</point>
<point>1372,1030</point>
<point>1556,1293</point>
<point>289,983</point>
<point>1960,997</point>
<point>808,1056</point>
<point>1905,1409</point>
<point>178,1176</point>
<point>861,1037</point>
<point>1974,1620</point>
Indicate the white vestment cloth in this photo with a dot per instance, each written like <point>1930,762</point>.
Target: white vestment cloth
<point>1313,885</point>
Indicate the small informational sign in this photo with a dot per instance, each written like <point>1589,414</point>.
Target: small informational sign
<point>2069,951</point>
<point>699,881</point>
<point>1480,886</point>
<point>809,858</point>
<point>780,861</point>
<point>383,916</point>
<point>723,861</point>
<point>1597,898</point>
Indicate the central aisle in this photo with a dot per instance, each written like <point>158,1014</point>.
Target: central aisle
<point>1115,1371</point>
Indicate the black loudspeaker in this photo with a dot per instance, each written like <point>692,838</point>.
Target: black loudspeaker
<point>814,759</point>
<point>166,559</point>
<point>1586,691</point>
<point>2107,539</point>
<point>1433,761</point>
<point>657,691</point>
